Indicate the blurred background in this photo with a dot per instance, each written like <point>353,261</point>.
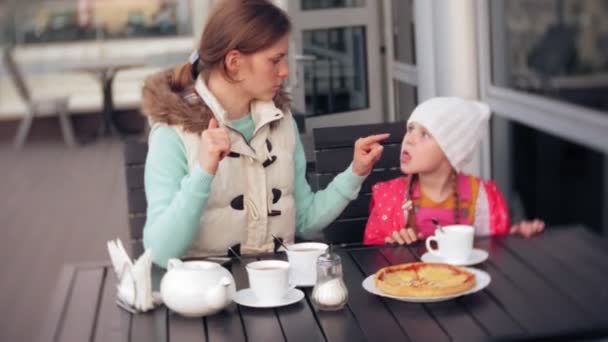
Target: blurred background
<point>542,65</point>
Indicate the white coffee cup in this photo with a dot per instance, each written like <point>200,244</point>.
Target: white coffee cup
<point>454,244</point>
<point>303,261</point>
<point>269,279</point>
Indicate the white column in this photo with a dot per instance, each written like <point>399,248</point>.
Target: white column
<point>446,51</point>
<point>455,47</point>
<point>425,48</point>
<point>605,199</point>
<point>200,10</point>
<point>501,128</point>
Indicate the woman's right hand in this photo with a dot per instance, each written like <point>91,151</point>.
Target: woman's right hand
<point>404,236</point>
<point>213,147</point>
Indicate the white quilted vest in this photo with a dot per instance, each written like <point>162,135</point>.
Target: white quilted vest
<point>251,195</point>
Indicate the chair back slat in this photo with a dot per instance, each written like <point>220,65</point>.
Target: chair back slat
<point>376,176</point>
<point>136,226</point>
<point>16,75</point>
<point>135,176</point>
<point>345,231</point>
<point>336,160</point>
<point>345,136</point>
<point>135,152</point>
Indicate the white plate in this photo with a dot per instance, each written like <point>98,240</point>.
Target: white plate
<point>482,279</point>
<point>246,297</point>
<point>477,256</point>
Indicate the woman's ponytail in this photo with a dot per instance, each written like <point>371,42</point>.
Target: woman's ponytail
<point>182,77</point>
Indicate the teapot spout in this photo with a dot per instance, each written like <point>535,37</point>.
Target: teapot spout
<point>217,296</point>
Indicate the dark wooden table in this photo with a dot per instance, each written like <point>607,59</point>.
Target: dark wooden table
<point>554,284</point>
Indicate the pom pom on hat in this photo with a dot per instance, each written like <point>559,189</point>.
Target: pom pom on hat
<point>456,124</point>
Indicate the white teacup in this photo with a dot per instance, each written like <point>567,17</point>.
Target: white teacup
<point>269,279</point>
<point>303,261</point>
<point>454,244</point>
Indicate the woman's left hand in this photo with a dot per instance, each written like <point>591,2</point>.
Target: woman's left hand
<point>528,228</point>
<point>367,152</point>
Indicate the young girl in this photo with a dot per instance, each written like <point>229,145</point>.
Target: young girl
<point>225,164</point>
<point>442,135</point>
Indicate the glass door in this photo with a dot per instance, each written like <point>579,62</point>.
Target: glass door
<point>335,61</point>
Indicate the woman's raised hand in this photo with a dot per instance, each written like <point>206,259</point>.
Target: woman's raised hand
<point>367,152</point>
<point>213,147</point>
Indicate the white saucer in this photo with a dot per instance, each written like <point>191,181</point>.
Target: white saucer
<point>482,279</point>
<point>246,297</point>
<point>477,256</point>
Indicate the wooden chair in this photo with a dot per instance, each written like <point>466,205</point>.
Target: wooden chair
<point>135,152</point>
<point>36,107</point>
<point>334,152</point>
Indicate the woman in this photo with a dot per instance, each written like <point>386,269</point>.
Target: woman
<point>225,164</point>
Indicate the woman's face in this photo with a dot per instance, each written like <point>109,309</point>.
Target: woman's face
<point>263,72</point>
<point>420,153</point>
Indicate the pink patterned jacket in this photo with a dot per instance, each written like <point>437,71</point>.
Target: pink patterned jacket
<point>481,204</point>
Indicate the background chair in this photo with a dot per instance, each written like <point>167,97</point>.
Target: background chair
<point>36,107</point>
<point>135,152</point>
<point>334,152</point>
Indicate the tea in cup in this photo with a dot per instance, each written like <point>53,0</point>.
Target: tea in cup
<point>454,244</point>
<point>269,279</point>
<point>303,260</point>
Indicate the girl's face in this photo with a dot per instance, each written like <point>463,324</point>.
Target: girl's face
<point>263,72</point>
<point>420,153</point>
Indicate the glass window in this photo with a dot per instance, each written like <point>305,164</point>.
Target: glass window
<point>405,100</point>
<point>403,31</point>
<point>554,48</point>
<point>551,178</point>
<point>40,21</point>
<point>324,4</point>
<point>336,81</point>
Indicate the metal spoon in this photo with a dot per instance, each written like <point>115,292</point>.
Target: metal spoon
<point>437,225</point>
<point>280,242</point>
<point>235,254</point>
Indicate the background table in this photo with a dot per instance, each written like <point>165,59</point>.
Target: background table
<point>105,70</point>
<point>549,285</point>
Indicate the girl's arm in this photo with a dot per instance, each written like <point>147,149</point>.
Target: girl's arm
<point>492,214</point>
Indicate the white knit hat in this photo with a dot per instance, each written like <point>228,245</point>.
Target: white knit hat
<point>456,124</point>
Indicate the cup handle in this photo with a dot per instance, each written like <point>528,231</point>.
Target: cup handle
<point>430,248</point>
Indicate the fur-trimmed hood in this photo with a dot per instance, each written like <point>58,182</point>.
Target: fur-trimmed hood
<point>161,104</point>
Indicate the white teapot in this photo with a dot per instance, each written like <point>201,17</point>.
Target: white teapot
<point>196,288</point>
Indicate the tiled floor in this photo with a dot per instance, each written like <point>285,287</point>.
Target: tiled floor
<point>58,206</point>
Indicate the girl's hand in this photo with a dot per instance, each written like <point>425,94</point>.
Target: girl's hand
<point>213,147</point>
<point>367,152</point>
<point>528,228</point>
<point>403,236</point>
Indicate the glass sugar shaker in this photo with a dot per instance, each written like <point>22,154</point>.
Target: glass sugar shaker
<point>330,292</point>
